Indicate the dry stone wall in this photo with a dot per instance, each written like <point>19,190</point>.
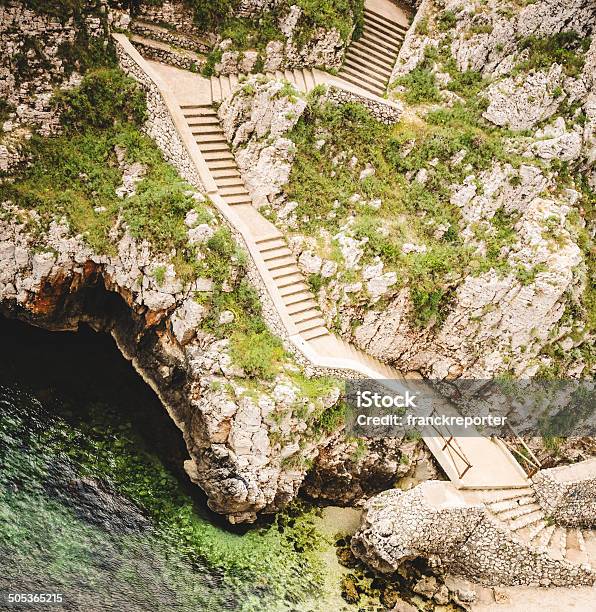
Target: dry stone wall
<point>159,124</point>
<point>570,502</point>
<point>387,113</point>
<point>433,520</point>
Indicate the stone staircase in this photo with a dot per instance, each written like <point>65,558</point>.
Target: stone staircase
<point>518,511</point>
<point>190,100</point>
<point>369,60</point>
<point>297,298</point>
<point>304,79</point>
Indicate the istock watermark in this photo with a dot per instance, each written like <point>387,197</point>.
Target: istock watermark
<point>532,407</point>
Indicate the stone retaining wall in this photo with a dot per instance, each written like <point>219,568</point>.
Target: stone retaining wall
<point>433,519</point>
<point>172,12</point>
<point>170,57</point>
<point>571,503</point>
<point>170,37</point>
<point>160,126</point>
<point>388,113</point>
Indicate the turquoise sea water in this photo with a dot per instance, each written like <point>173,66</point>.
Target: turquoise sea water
<point>94,505</point>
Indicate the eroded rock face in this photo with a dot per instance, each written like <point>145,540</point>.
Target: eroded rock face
<point>35,58</point>
<point>255,120</point>
<point>321,47</point>
<point>349,472</point>
<point>243,446</point>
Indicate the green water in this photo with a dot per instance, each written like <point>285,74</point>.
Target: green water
<point>93,504</point>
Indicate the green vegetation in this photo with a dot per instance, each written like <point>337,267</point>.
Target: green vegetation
<point>61,9</point>
<point>255,33</point>
<point>104,99</point>
<point>186,556</point>
<point>410,211</point>
<point>565,48</point>
<point>447,20</point>
<point>5,109</point>
<point>420,86</point>
<point>76,174</point>
<point>84,52</point>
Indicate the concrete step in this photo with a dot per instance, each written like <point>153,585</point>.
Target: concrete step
<point>309,79</point>
<point>382,37</point>
<point>213,136</point>
<point>558,544</point>
<point>233,190</point>
<point>295,293</point>
<point>510,504</point>
<point>230,172</point>
<point>381,46</point>
<point>213,146</point>
<point>226,88</point>
<point>224,163</point>
<point>386,33</point>
<point>576,551</point>
<point>391,28</point>
<point>194,121</point>
<point>229,181</point>
<point>277,253</point>
<point>378,91</point>
<point>237,199</point>
<point>373,16</point>
<point>289,76</point>
<point>215,89</point>
<point>536,531</point>
<point>271,244</point>
<point>310,324</point>
<point>527,519</point>
<point>517,512</point>
<point>279,263</point>
<point>363,64</point>
<point>489,496</point>
<point>317,332</point>
<point>378,57</point>
<point>218,156</point>
<point>299,79</point>
<point>305,305</point>
<point>375,78</point>
<point>303,316</point>
<point>196,110</point>
<point>545,536</point>
<point>285,274</point>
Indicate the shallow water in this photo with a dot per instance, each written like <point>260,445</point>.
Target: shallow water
<point>93,504</point>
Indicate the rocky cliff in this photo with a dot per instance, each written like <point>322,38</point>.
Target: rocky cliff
<point>459,242</point>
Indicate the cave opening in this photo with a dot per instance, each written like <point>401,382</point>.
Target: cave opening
<point>71,371</point>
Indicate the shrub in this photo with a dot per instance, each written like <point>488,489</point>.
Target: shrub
<point>565,48</point>
<point>447,20</point>
<point>105,97</point>
<point>259,354</point>
<point>420,86</point>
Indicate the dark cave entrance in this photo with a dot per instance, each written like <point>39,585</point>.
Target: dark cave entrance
<point>86,367</point>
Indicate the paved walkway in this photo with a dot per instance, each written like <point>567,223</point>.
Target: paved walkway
<point>469,462</point>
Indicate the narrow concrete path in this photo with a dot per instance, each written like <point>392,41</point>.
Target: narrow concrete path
<point>469,462</point>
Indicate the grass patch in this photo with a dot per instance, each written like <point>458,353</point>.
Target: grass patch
<point>323,181</point>
<point>565,48</point>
